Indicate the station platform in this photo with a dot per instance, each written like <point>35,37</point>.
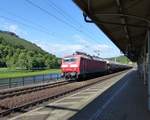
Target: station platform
<point>120,98</point>
<point>128,101</point>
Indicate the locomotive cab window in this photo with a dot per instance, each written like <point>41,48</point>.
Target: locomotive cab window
<point>69,59</point>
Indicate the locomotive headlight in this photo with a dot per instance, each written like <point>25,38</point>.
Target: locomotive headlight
<point>74,65</point>
<point>63,66</point>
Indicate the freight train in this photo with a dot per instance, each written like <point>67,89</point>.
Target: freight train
<point>79,65</point>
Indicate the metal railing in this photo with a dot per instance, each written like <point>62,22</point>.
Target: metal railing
<point>28,80</point>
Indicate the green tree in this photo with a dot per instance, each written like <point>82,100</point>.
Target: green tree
<point>22,61</point>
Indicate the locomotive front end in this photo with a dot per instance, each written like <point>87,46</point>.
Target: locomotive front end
<point>70,67</point>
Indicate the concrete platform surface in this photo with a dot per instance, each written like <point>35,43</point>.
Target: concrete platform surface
<point>128,101</point>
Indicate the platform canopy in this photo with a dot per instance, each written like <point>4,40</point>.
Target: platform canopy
<point>125,22</point>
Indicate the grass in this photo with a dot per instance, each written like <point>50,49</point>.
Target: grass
<point>12,73</point>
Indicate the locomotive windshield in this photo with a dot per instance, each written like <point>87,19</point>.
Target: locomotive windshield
<point>69,59</point>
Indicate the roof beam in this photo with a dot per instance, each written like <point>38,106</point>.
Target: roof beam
<point>124,21</point>
<point>121,24</point>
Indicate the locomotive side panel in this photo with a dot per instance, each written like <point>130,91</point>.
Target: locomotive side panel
<point>82,65</point>
<point>88,66</point>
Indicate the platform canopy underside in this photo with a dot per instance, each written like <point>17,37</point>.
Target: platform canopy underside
<point>125,22</point>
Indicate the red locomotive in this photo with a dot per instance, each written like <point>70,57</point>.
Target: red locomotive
<point>80,65</point>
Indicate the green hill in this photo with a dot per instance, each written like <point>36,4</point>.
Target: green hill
<point>20,53</point>
<point>120,59</point>
<point>13,40</point>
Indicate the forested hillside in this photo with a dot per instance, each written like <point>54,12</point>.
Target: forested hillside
<point>19,53</point>
<point>121,59</point>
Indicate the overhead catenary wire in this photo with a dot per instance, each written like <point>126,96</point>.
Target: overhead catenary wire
<point>68,17</point>
<point>24,19</point>
<point>63,13</point>
<point>61,20</point>
<point>52,15</point>
<point>32,24</point>
<point>57,18</point>
<point>24,24</point>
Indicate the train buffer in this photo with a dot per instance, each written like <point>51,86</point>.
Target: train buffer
<point>122,97</point>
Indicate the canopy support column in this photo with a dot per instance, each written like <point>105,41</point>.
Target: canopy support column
<point>148,65</point>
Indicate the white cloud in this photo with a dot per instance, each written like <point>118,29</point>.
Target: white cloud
<point>59,49</point>
<point>80,44</point>
<point>103,46</point>
<point>12,27</point>
<point>80,39</point>
<point>66,49</point>
<point>92,47</point>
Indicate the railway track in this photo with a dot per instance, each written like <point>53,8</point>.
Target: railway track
<point>15,92</point>
<point>18,100</point>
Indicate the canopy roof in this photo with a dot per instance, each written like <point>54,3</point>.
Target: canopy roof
<point>125,22</point>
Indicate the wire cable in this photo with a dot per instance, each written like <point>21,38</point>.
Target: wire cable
<point>24,24</point>
<point>59,19</point>
<point>68,17</point>
<point>24,19</point>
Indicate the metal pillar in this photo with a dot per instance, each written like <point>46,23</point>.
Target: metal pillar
<point>148,65</point>
<point>144,64</point>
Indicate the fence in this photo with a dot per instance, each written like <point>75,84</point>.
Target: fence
<point>22,81</point>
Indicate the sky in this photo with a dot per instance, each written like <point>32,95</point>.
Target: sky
<point>57,26</point>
